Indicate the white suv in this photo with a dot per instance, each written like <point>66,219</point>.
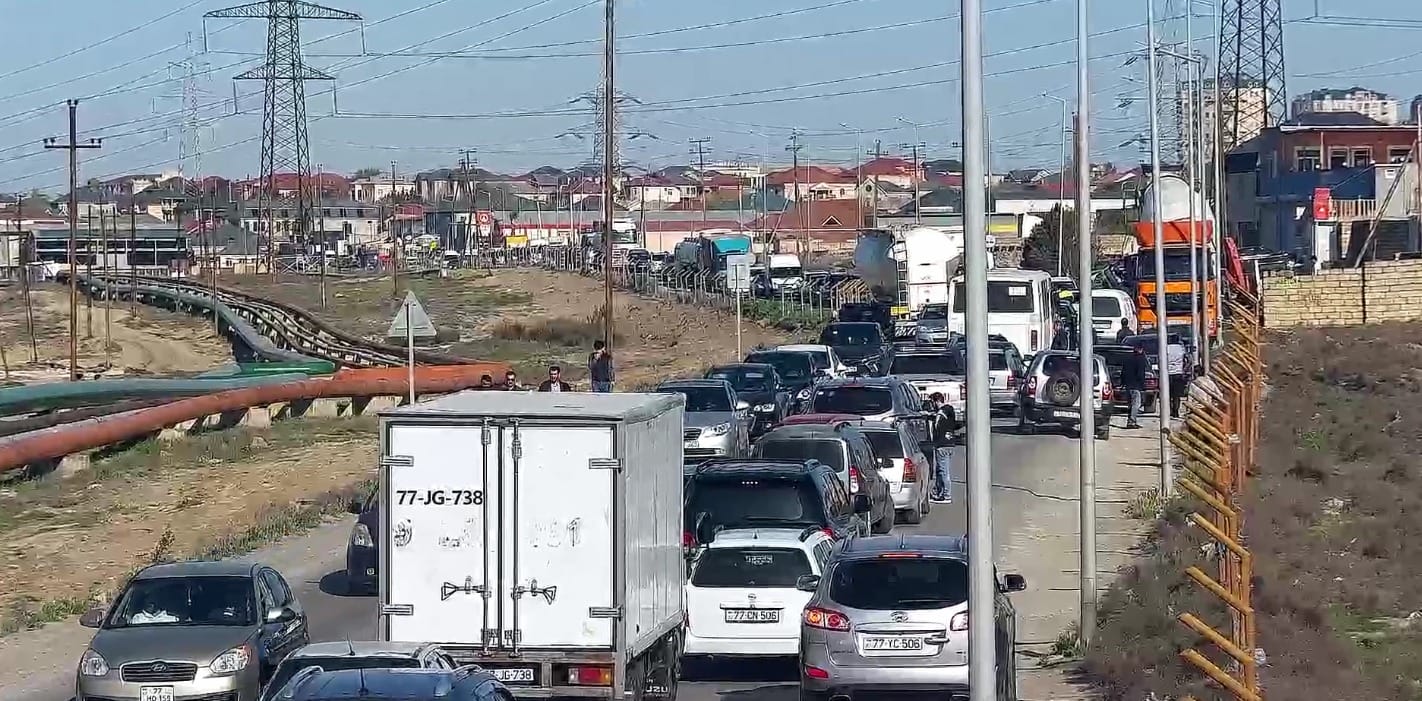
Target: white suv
<point>741,599</point>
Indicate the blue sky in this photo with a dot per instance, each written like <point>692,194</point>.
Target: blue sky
<point>746,97</point>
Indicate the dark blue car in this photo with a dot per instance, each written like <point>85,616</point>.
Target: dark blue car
<point>362,551</point>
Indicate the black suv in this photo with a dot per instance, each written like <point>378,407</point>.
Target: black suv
<point>749,493</point>
<point>858,343</point>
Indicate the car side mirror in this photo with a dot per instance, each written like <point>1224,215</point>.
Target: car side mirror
<point>353,507</point>
<point>1014,582</point>
<point>742,405</point>
<point>285,614</point>
<point>93,618</point>
<point>862,504</point>
<point>807,582</point>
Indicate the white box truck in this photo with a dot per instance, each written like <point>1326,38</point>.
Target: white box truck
<point>538,535</point>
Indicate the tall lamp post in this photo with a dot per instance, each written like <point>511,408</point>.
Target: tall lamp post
<point>1061,190</point>
<point>858,171</point>
<point>917,168</point>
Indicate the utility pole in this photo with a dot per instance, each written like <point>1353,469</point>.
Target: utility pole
<point>89,270</point>
<point>700,146</point>
<point>73,147</point>
<point>609,159</point>
<point>320,234</point>
<point>132,249</point>
<point>1086,621</point>
<point>1061,191</point>
<point>108,286</point>
<point>858,173</point>
<point>800,204</point>
<point>878,154</point>
<point>1162,403</point>
<point>914,150</point>
<point>467,161</point>
<point>394,249</point>
<point>25,278</point>
<point>982,581</point>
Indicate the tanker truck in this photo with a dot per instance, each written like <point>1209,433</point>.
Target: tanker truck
<point>908,268</point>
<point>1177,233</point>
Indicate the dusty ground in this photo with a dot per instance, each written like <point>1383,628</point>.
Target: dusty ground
<point>147,341</point>
<point>65,538</point>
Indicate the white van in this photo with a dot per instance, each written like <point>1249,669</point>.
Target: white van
<point>1108,309</point>
<point>1020,308</point>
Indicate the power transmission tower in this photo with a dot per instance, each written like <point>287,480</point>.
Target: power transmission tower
<point>285,148</point>
<point>700,150</point>
<point>1252,89</point>
<point>467,166</point>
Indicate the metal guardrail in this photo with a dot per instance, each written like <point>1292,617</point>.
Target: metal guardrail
<point>809,303</point>
<point>1217,445</point>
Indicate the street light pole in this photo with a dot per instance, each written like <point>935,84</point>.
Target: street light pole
<point>917,211</point>
<point>1167,479</point>
<point>982,581</point>
<point>1087,438</point>
<point>1061,192</point>
<point>858,172</point>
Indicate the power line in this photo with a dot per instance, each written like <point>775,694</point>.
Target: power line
<point>102,42</point>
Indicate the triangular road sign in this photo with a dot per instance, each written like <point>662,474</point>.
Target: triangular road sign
<point>413,313</point>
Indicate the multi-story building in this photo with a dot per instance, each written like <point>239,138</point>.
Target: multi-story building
<point>378,187</point>
<point>1249,102</point>
<point>1369,103</point>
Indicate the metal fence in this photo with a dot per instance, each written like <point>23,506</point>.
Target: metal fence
<point>1217,446</point>
<point>812,302</point>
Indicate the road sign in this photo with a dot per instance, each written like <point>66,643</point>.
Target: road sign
<point>1322,204</point>
<point>411,316</point>
<point>738,277</point>
<point>484,217</point>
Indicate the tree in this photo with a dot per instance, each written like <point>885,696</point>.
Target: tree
<point>1040,252</point>
<point>368,173</point>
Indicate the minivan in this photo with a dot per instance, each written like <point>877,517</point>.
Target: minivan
<point>1019,306</point>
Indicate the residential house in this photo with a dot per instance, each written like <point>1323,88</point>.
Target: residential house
<point>658,189</point>
<point>813,183</point>
<point>828,225</point>
<point>898,171</point>
<point>1026,176</point>
<point>379,187</point>
<point>356,223</point>
<point>1363,169</point>
<point>286,185</point>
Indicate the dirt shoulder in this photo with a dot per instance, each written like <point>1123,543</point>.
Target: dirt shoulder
<point>145,341</point>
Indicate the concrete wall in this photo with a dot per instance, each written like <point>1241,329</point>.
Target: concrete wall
<point>1385,291</point>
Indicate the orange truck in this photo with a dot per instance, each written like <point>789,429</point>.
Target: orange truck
<point>1175,242</point>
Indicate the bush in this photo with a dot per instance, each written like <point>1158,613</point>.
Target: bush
<point>789,316</point>
<point>558,331</point>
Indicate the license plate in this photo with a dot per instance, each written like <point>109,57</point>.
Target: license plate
<point>1065,414</point>
<point>513,674</point>
<point>752,615</point>
<point>155,693</point>
<point>897,643</point>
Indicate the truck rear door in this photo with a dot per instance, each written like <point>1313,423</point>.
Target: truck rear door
<point>504,529</point>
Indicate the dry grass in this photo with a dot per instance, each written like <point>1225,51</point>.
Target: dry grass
<point>557,331</point>
<point>1333,516</point>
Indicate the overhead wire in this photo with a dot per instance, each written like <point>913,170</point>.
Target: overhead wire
<point>102,42</point>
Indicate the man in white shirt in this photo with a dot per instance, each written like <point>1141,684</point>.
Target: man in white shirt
<point>1175,364</point>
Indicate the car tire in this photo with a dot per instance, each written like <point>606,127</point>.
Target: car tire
<point>913,516</point>
<point>883,526</point>
<point>813,696</point>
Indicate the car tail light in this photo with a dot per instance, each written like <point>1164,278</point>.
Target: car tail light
<point>910,470</point>
<point>1012,382</point>
<point>1150,383</point>
<point>1036,338</point>
<point>590,676</point>
<point>853,479</point>
<point>824,619</point>
<point>829,532</point>
<point>959,622</point>
<point>688,539</point>
<point>816,673</point>
<point>900,556</point>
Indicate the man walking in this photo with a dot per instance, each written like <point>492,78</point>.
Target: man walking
<point>1133,380</point>
<point>942,435</point>
<point>1125,332</point>
<point>1175,364</point>
<point>600,370</point>
<point>555,382</point>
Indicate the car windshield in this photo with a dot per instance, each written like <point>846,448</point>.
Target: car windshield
<point>292,665</point>
<point>860,401</point>
<point>885,444</point>
<point>703,399</point>
<point>997,360</point>
<point>827,451</point>
<point>900,583</point>
<point>749,567</point>
<point>936,364</point>
<point>1105,307</point>
<point>749,502</point>
<point>852,334</point>
<point>1003,297</point>
<point>743,379</point>
<point>185,601</point>
<point>790,365</point>
<point>934,311</point>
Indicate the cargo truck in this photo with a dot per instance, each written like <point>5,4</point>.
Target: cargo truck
<point>538,536</point>
<point>1177,233</point>
<point>909,268</point>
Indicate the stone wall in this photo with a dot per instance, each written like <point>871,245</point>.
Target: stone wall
<point>1385,291</point>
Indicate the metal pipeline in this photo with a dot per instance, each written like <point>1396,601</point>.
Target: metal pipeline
<point>365,382</point>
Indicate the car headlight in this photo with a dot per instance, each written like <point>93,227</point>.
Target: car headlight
<point>92,664</point>
<point>803,394</point>
<point>230,662</point>
<point>719,429</point>
<point>360,536</point>
<point>765,408</point>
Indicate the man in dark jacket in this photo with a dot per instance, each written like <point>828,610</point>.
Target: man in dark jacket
<point>1133,380</point>
<point>1125,331</point>
<point>555,382</point>
<point>600,370</point>
<point>943,426</point>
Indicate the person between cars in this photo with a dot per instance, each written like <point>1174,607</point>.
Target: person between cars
<point>600,370</point>
<point>1125,332</point>
<point>1133,380</point>
<point>942,433</point>
<point>555,382</point>
<point>1175,364</point>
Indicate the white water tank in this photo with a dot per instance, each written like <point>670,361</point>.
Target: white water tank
<point>1174,201</point>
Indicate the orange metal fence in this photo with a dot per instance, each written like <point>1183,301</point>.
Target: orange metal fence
<point>1217,445</point>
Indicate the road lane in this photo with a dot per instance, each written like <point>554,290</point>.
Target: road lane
<point>1034,527</point>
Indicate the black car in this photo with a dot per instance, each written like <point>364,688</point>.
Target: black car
<point>877,312</point>
<point>1115,356</point>
<point>362,551</point>
<point>858,343</point>
<point>749,493</point>
<point>759,385</point>
<point>795,368</point>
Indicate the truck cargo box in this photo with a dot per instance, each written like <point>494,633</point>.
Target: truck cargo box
<point>533,528</point>
<point>1173,233</point>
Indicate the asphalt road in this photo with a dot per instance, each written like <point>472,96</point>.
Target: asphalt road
<point>1032,477</point>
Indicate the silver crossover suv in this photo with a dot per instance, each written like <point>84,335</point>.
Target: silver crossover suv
<point>891,615</point>
<point>191,630</point>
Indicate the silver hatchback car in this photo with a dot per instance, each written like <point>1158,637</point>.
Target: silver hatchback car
<point>890,614</point>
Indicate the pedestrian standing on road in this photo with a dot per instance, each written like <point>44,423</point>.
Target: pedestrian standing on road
<point>1125,332</point>
<point>1133,380</point>
<point>942,435</point>
<point>555,382</point>
<point>1175,365</point>
<point>600,370</point>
